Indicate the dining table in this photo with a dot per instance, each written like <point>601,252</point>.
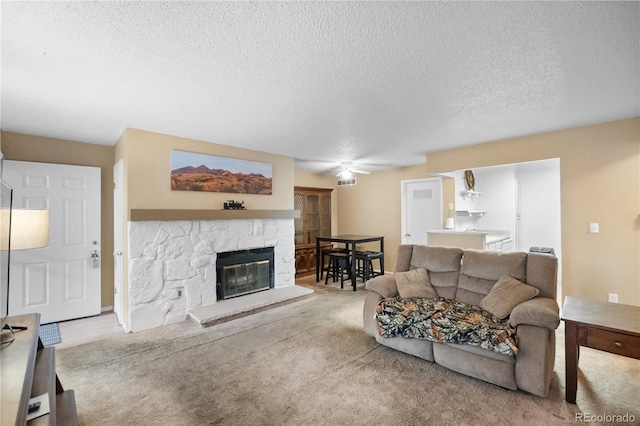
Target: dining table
<point>350,241</point>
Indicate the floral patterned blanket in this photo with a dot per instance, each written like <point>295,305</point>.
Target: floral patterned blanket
<point>445,320</point>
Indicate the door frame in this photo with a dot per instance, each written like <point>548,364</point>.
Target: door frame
<point>404,200</point>
<point>118,236</point>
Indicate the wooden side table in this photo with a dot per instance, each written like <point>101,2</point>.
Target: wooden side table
<point>609,327</point>
<point>28,369</point>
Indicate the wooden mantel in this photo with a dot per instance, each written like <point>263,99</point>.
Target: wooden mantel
<point>168,214</point>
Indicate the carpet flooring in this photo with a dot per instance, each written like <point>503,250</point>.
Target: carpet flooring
<point>310,363</point>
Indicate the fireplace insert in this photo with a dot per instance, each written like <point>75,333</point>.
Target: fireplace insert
<point>242,272</point>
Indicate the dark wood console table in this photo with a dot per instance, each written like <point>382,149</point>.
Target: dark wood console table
<point>27,369</point>
<point>609,327</point>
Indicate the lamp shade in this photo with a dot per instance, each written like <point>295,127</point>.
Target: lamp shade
<point>29,228</point>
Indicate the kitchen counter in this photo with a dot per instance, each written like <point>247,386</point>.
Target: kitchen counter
<point>479,239</point>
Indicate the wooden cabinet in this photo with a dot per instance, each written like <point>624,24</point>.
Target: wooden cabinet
<point>314,221</point>
<point>28,370</point>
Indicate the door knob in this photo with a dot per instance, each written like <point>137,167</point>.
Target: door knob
<point>95,259</point>
<point>117,253</point>
<point>407,235</point>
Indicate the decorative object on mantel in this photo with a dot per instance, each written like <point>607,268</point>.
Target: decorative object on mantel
<point>142,215</point>
<point>210,173</point>
<point>234,205</point>
<point>470,180</point>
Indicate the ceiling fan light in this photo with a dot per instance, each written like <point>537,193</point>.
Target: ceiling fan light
<point>346,174</point>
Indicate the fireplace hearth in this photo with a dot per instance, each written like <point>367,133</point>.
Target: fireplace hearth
<point>243,272</point>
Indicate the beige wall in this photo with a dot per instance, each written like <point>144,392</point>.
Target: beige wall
<point>372,207</point>
<point>146,157</point>
<point>148,165</point>
<point>317,180</point>
<point>20,147</point>
<point>600,182</point>
<point>448,197</point>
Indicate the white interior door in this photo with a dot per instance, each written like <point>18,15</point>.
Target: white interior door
<point>118,232</point>
<point>60,281</point>
<point>421,209</point>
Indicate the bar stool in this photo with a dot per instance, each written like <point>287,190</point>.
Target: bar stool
<point>339,266</point>
<point>365,264</point>
<point>325,254</point>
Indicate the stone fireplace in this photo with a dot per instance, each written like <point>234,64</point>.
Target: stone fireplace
<point>172,263</point>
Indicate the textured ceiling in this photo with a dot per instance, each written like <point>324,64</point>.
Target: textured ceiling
<point>377,83</point>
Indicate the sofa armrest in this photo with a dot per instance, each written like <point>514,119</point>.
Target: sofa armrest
<point>539,311</point>
<point>385,285</point>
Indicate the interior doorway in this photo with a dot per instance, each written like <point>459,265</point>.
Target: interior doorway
<point>421,209</point>
<point>522,198</point>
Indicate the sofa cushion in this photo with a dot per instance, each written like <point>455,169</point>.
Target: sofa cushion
<point>403,261</point>
<point>436,258</point>
<point>445,283</point>
<point>414,283</point>
<point>542,273</point>
<point>480,271</point>
<point>539,311</point>
<point>385,285</point>
<point>416,347</point>
<point>480,366</point>
<point>505,295</point>
<point>443,266</point>
<point>485,353</point>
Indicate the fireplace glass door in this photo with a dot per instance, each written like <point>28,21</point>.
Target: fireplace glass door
<point>245,278</point>
<point>244,272</point>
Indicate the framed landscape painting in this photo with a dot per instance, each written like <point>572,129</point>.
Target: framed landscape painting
<point>210,173</point>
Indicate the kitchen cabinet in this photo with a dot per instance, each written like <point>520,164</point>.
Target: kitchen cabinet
<point>474,239</point>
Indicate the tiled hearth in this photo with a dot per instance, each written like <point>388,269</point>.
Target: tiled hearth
<point>172,264</point>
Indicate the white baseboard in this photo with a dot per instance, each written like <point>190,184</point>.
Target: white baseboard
<point>106,308</point>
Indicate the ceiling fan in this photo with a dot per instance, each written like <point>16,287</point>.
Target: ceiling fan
<point>347,170</point>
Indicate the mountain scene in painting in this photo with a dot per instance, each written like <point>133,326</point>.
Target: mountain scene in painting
<point>202,178</point>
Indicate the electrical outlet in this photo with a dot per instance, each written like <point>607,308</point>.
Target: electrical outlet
<point>179,293</point>
<point>613,298</point>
